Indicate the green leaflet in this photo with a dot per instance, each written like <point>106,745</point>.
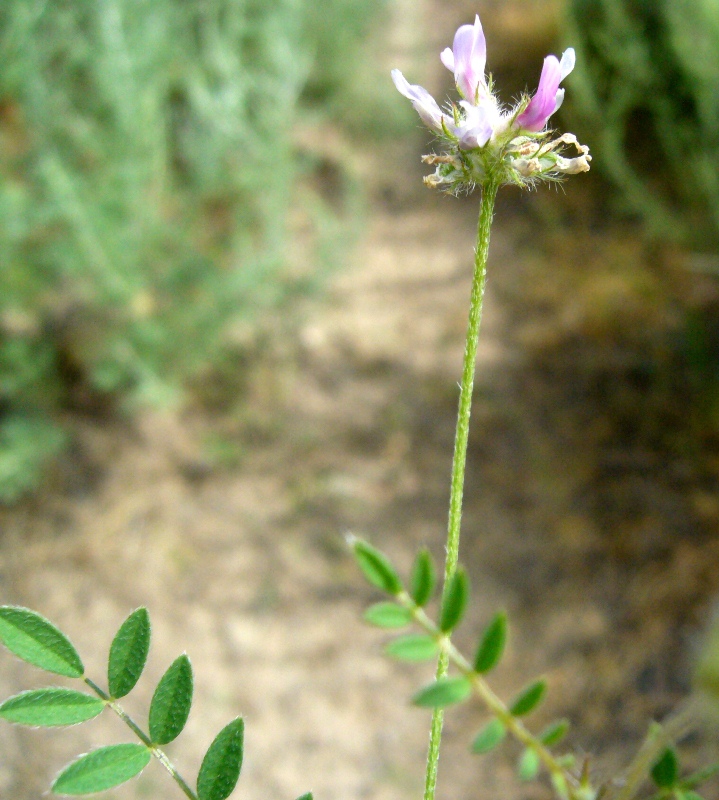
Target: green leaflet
<point>489,737</point>
<point>388,615</point>
<point>528,699</point>
<point>36,640</point>
<point>666,769</point>
<point>222,763</point>
<point>443,692</point>
<point>423,578</point>
<point>528,765</point>
<point>413,647</point>
<point>454,602</point>
<point>171,702</point>
<point>51,707</point>
<point>102,769</point>
<point>128,653</point>
<point>554,733</point>
<point>376,567</point>
<point>491,646</point>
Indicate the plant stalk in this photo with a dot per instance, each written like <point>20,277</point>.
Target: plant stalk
<point>486,211</point>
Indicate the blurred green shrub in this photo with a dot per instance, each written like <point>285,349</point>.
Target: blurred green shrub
<point>146,174</point>
<point>645,88</point>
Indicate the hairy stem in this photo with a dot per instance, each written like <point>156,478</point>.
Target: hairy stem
<point>143,737</point>
<point>489,193</point>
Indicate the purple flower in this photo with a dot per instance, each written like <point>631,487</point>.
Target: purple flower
<point>467,59</point>
<point>478,118</point>
<point>424,104</point>
<point>549,96</point>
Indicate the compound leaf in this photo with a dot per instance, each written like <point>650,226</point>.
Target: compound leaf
<point>443,692</point>
<point>51,707</point>
<point>222,763</point>
<point>491,646</point>
<point>454,601</point>
<point>102,769</point>
<point>489,737</point>
<point>388,615</point>
<point>36,640</point>
<point>423,578</point>
<point>376,567</point>
<point>528,699</point>
<point>171,702</point>
<point>413,647</point>
<point>128,653</point>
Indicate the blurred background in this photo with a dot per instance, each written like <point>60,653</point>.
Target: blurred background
<point>231,325</point>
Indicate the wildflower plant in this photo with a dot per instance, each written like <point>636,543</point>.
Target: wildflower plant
<point>485,146</point>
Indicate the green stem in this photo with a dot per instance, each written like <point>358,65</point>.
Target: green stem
<point>143,737</point>
<point>489,193</point>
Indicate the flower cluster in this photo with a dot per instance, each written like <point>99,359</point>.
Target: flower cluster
<point>484,141</point>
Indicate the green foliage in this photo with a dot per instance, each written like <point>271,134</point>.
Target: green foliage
<point>36,640</point>
<point>454,601</point>
<point>666,769</point>
<point>388,615</point>
<point>413,647</point>
<point>128,653</point>
<point>147,168</point>
<point>489,737</point>
<point>528,699</point>
<point>51,707</point>
<point>376,567</point>
<point>491,646</point>
<point>645,90</point>
<point>528,765</point>
<point>102,769</point>
<point>554,733</point>
<point>171,702</point>
<point>222,763</point>
<point>443,692</point>
<point>423,578</point>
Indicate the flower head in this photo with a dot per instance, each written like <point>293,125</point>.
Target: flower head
<point>484,141</point>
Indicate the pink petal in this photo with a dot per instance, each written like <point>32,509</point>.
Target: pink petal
<point>470,56</point>
<point>544,103</point>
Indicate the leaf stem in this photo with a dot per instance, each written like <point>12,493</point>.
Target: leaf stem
<point>658,738</point>
<point>159,754</point>
<point>489,194</point>
<point>493,703</point>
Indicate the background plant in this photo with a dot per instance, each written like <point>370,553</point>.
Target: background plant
<point>645,86</point>
<point>147,169</point>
